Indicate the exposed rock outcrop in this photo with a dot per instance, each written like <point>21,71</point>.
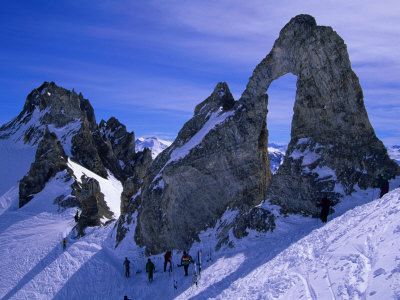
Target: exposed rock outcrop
<point>333,146</point>
<point>50,159</point>
<point>122,143</point>
<point>219,160</point>
<point>72,119</point>
<point>53,106</point>
<point>130,200</point>
<point>94,208</point>
<point>134,183</point>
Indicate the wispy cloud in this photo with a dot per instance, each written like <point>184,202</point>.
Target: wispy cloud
<point>146,57</point>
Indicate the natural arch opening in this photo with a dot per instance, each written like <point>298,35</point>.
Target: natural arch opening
<point>281,97</point>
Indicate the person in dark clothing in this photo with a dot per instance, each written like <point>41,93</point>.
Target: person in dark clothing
<point>76,217</point>
<point>127,269</point>
<point>383,184</point>
<point>167,259</point>
<point>185,262</point>
<point>126,298</point>
<point>325,205</point>
<point>64,242</point>
<point>150,269</point>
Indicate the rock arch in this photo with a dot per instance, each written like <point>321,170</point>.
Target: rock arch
<point>333,146</point>
<point>219,161</point>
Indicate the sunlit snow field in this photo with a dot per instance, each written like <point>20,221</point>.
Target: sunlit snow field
<point>354,256</point>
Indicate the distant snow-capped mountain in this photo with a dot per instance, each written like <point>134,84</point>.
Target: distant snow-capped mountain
<point>156,145</point>
<point>276,154</point>
<point>394,153</point>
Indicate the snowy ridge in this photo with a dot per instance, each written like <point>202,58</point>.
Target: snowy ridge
<point>352,257</point>
<point>214,120</point>
<point>17,132</point>
<point>65,134</point>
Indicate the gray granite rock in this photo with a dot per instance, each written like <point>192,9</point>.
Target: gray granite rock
<point>94,208</point>
<point>122,143</point>
<point>50,159</point>
<point>333,146</point>
<point>218,161</point>
<point>130,200</point>
<point>72,118</point>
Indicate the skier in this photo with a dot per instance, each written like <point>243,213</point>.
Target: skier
<point>185,262</point>
<point>167,258</point>
<point>64,242</point>
<point>383,184</point>
<point>126,264</point>
<point>76,217</point>
<point>150,269</point>
<point>325,204</point>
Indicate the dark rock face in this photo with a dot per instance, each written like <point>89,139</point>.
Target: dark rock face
<point>45,106</point>
<point>122,143</point>
<point>94,208</point>
<point>50,159</point>
<point>72,118</point>
<point>134,183</point>
<point>218,161</point>
<point>131,187</point>
<point>84,150</point>
<point>333,146</point>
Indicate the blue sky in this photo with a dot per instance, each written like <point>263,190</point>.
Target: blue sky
<point>149,63</point>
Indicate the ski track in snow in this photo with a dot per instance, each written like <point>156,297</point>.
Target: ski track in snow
<point>354,256</point>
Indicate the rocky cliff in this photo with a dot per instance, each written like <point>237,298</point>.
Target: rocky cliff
<point>219,160</point>
<point>49,160</point>
<point>60,124</point>
<point>71,117</point>
<point>333,146</point>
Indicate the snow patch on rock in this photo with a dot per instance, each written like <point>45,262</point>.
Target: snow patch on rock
<point>215,119</point>
<point>110,187</point>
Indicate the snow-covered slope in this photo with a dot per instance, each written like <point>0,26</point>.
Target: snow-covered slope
<point>156,145</point>
<point>354,256</point>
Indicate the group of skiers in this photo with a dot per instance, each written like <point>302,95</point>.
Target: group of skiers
<point>186,260</point>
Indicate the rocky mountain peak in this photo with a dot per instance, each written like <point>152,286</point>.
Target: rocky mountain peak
<point>221,97</point>
<point>53,106</point>
<point>61,105</point>
<point>122,141</point>
<point>219,161</point>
